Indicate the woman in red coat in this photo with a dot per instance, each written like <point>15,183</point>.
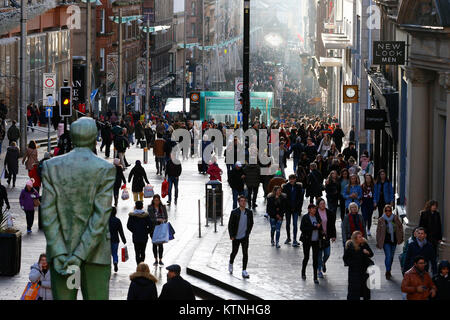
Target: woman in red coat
<point>214,171</point>
<point>33,174</point>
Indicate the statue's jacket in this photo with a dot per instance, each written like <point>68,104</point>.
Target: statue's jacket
<point>76,206</point>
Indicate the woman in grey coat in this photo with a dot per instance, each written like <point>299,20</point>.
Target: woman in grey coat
<point>40,272</point>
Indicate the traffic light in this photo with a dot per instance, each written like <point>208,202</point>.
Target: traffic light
<point>65,101</point>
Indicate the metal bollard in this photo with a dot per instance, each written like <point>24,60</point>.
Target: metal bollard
<point>206,210</point>
<point>221,216</point>
<point>145,155</point>
<point>214,209</point>
<point>199,221</point>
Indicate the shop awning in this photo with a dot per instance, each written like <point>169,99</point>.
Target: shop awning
<point>335,41</point>
<point>176,105</point>
<point>330,62</point>
<point>163,83</point>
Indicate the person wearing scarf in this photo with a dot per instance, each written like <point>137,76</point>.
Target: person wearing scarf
<point>389,234</point>
<point>353,221</point>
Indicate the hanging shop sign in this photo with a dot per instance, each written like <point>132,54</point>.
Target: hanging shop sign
<point>374,119</point>
<point>389,52</point>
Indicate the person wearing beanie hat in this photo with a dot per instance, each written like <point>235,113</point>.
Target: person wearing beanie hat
<point>138,175</point>
<point>442,281</point>
<point>119,179</point>
<point>26,200</point>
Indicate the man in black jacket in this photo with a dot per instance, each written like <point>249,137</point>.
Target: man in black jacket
<point>176,287</point>
<point>420,247</point>
<point>294,193</point>
<point>239,227</point>
<point>173,172</point>
<point>115,229</point>
<point>337,136</point>
<point>236,181</point>
<point>106,134</point>
<point>13,133</point>
<point>350,151</point>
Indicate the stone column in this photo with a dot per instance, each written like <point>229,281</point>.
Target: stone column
<point>418,144</point>
<point>444,81</point>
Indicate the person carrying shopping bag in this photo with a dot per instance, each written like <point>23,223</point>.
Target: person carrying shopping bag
<point>158,215</point>
<point>40,273</point>
<point>138,175</point>
<point>115,229</point>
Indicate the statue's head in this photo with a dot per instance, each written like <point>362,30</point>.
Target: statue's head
<point>83,132</point>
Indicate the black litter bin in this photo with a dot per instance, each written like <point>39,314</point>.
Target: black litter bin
<point>10,253</point>
<point>216,187</point>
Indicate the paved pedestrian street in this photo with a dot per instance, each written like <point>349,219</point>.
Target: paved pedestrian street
<point>274,273</point>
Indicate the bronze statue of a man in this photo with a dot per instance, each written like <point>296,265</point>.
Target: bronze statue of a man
<point>76,205</point>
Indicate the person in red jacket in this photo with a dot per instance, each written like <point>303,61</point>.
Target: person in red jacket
<point>33,174</point>
<point>214,171</point>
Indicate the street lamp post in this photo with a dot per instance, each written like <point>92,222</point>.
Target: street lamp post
<point>22,113</point>
<point>119,94</point>
<point>246,66</point>
<point>147,69</point>
<point>203,45</point>
<point>88,55</point>
<point>184,58</point>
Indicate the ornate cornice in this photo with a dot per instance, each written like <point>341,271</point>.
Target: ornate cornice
<point>444,80</point>
<point>419,76</point>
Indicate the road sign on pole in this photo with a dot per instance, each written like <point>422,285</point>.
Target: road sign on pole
<point>49,112</point>
<point>238,89</point>
<point>49,89</point>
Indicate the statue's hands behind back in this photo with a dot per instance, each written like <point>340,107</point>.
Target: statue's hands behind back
<point>72,261</point>
<point>58,264</point>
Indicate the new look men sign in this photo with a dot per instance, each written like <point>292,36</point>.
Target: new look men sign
<point>389,52</point>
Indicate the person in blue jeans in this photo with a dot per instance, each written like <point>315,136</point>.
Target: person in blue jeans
<point>173,172</point>
<point>384,193</point>
<point>115,229</point>
<point>367,205</point>
<point>236,182</point>
<point>295,194</point>
<point>328,219</point>
<point>353,192</point>
<point>389,235</point>
<point>297,148</point>
<point>276,208</point>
